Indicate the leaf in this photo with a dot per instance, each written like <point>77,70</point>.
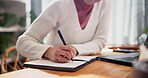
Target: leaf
<point>22,21</point>
<point>145,30</point>
<point>33,16</point>
<point>5,41</point>
<point>8,19</point>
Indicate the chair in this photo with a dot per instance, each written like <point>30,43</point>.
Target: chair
<point>10,55</point>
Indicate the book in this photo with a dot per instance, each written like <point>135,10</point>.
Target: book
<point>71,66</point>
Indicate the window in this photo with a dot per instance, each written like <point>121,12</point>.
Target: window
<point>127,21</point>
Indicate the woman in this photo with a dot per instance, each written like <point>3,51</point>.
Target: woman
<point>83,23</point>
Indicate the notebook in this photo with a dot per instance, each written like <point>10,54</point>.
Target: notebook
<point>71,66</point>
<point>125,59</point>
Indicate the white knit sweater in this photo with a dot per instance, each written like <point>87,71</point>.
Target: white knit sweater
<point>62,14</point>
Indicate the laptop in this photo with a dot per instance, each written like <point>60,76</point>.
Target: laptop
<point>125,50</point>
<point>127,59</point>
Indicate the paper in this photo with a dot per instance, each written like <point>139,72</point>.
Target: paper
<point>87,58</point>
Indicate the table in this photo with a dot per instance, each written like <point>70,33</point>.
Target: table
<point>97,69</point>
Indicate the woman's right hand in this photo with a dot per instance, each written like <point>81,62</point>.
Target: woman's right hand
<point>60,53</point>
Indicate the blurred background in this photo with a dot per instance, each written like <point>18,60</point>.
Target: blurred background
<point>129,20</point>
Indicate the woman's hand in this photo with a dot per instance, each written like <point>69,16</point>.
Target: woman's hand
<point>60,53</point>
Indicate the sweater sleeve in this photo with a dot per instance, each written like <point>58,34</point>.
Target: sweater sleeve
<point>28,44</point>
<point>100,37</point>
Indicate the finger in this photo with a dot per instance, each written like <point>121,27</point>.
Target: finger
<point>73,51</point>
<point>56,55</point>
<point>69,49</point>
<point>57,58</point>
<point>63,54</point>
<point>63,59</point>
<point>66,54</point>
<point>66,48</point>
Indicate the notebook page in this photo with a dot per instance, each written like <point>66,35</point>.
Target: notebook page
<point>70,64</point>
<point>87,58</point>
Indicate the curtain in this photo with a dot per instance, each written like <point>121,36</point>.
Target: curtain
<point>146,13</point>
<point>36,6</point>
<point>127,21</point>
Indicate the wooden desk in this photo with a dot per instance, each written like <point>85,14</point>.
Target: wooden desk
<point>97,69</point>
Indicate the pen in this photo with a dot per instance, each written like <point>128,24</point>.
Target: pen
<point>62,38</point>
<point>79,60</point>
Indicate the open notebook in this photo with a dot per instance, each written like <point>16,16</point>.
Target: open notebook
<point>77,63</point>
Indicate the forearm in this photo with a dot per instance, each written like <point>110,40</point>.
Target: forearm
<point>30,47</point>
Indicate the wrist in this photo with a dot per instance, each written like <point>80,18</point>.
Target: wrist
<point>46,53</point>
